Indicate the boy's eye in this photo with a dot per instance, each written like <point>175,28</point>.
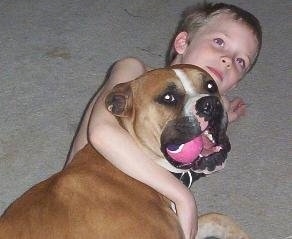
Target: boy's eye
<point>219,41</point>
<point>241,62</point>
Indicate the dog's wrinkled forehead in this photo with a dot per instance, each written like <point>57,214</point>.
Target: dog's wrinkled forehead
<point>196,81</point>
<point>186,82</point>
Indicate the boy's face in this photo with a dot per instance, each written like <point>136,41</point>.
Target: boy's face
<point>224,47</point>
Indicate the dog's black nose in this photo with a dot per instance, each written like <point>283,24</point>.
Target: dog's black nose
<point>209,107</point>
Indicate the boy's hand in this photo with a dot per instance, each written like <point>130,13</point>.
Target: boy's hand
<point>236,109</point>
<point>187,215</point>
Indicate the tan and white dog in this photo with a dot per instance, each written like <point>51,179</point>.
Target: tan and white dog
<point>174,114</point>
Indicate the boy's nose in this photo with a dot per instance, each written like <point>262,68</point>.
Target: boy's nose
<point>226,61</point>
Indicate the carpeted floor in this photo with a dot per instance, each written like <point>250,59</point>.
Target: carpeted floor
<point>54,54</point>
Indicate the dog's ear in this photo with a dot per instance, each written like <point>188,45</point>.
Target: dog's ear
<point>119,100</point>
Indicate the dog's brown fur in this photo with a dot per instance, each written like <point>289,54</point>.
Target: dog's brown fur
<point>90,199</point>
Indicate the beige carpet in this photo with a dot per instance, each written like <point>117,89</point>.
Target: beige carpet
<point>54,54</point>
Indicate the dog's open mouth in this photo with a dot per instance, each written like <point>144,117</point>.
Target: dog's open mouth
<point>197,141</point>
<point>187,153</point>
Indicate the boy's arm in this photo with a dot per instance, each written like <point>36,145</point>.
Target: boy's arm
<point>106,135</point>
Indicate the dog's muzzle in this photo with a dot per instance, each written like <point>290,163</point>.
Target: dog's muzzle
<point>197,142</point>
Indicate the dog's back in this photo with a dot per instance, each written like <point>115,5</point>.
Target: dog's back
<point>90,199</point>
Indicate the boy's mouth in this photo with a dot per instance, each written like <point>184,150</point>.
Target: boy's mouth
<point>215,72</point>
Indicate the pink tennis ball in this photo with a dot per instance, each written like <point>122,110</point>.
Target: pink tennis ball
<point>186,153</point>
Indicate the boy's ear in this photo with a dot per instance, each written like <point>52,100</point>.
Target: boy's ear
<point>181,42</point>
<point>119,100</point>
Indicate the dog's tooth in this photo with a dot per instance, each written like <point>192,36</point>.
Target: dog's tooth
<point>209,136</point>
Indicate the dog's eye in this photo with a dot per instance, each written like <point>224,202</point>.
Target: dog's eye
<point>169,98</point>
<point>211,87</point>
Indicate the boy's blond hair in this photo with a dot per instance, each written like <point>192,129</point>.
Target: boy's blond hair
<point>194,17</point>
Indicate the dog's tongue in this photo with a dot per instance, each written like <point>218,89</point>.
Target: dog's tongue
<point>186,153</point>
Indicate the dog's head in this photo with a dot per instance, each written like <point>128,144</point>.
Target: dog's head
<point>176,115</point>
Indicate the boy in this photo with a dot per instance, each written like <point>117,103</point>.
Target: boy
<point>222,39</point>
